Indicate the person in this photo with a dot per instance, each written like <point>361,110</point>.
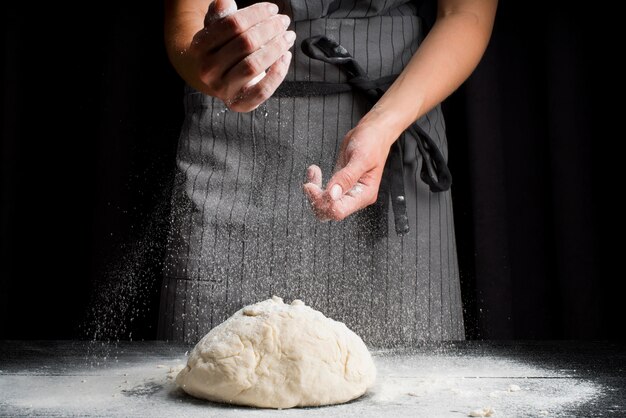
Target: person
<point>244,227</point>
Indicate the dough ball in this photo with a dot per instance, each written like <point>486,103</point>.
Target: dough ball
<point>275,355</point>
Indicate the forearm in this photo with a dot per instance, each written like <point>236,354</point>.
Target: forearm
<point>183,19</point>
<point>445,59</point>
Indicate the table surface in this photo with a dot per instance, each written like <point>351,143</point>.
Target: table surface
<point>62,378</point>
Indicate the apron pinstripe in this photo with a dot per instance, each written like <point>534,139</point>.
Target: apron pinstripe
<point>241,228</point>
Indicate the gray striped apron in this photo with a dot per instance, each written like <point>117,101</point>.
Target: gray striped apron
<point>242,230</point>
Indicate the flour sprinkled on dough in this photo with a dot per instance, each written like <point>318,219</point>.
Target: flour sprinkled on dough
<point>275,355</point>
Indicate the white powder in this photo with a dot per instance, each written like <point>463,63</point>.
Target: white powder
<point>487,411</point>
<point>448,383</point>
<point>425,384</point>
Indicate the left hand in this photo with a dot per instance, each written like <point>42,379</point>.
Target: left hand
<point>359,168</point>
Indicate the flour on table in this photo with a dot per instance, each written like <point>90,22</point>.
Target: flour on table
<point>275,355</point>
<point>482,412</point>
<point>173,371</point>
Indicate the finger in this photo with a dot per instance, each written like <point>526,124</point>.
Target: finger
<point>314,193</point>
<point>252,96</point>
<point>345,179</point>
<point>220,30</point>
<point>258,61</point>
<point>353,200</point>
<point>314,175</point>
<point>250,41</point>
<point>357,190</point>
<point>219,9</point>
<point>319,204</point>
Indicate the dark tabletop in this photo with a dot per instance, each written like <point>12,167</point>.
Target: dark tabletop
<point>58,378</point>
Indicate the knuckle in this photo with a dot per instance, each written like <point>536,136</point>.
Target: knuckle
<point>234,23</point>
<point>277,26</point>
<point>281,44</point>
<point>346,178</point>
<point>250,66</point>
<point>264,92</point>
<point>214,86</point>
<point>285,43</point>
<point>248,42</point>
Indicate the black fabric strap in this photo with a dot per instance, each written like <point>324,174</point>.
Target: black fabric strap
<point>434,171</point>
<point>323,88</point>
<point>396,186</point>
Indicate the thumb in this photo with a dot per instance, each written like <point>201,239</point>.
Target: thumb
<point>219,9</point>
<point>345,179</point>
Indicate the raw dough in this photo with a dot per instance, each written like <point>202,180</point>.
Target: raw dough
<point>274,355</point>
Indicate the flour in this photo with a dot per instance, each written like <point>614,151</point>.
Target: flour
<point>487,411</point>
<point>450,383</point>
<point>428,383</point>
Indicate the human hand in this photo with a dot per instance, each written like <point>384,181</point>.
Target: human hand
<point>229,56</point>
<point>359,168</point>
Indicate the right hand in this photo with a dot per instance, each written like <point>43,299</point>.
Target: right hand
<point>237,46</point>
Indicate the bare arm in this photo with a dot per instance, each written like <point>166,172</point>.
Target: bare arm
<point>445,59</point>
<point>224,52</point>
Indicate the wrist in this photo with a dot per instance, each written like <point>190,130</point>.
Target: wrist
<point>400,106</point>
<point>179,32</point>
<point>389,121</point>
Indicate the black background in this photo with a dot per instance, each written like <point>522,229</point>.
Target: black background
<point>90,117</point>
